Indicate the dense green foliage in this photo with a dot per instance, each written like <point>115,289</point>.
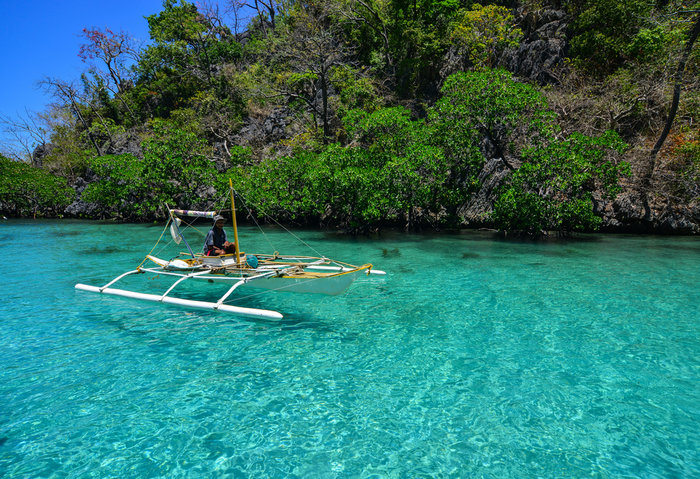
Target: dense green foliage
<point>398,170</point>
<point>392,175</point>
<point>362,113</point>
<point>173,171</point>
<point>606,32</point>
<point>178,69</point>
<point>29,191</point>
<point>483,32</point>
<point>553,189</point>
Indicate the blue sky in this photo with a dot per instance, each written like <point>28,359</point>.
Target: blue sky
<point>41,38</point>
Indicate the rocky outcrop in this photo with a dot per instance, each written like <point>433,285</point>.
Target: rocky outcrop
<point>40,152</point>
<point>80,208</point>
<point>477,211</point>
<point>123,143</point>
<point>543,46</point>
<point>636,212</point>
<point>264,130</point>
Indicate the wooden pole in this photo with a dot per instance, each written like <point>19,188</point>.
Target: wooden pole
<point>233,219</point>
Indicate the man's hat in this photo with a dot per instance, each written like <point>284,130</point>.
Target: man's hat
<point>218,217</point>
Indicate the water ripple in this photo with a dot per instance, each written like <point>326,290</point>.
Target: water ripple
<point>472,358</point>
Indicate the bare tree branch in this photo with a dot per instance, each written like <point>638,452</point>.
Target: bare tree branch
<point>68,94</point>
<point>27,130</point>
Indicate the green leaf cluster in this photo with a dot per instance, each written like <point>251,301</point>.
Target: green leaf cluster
<point>553,189</point>
<point>26,190</point>
<point>487,104</point>
<point>173,171</point>
<point>609,34</point>
<point>483,32</point>
<point>391,174</point>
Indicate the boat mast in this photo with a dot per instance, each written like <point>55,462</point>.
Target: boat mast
<point>233,219</point>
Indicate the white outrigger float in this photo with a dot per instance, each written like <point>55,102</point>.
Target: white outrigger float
<point>274,272</point>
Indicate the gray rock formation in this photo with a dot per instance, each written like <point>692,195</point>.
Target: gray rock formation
<point>479,207</point>
<point>542,48</point>
<point>635,212</point>
<point>122,143</point>
<point>260,131</point>
<point>40,152</point>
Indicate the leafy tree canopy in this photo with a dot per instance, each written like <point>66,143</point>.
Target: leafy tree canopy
<point>26,190</point>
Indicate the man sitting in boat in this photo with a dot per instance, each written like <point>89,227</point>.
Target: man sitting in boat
<point>215,243</point>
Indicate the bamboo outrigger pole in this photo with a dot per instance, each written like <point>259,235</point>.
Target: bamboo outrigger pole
<point>233,219</point>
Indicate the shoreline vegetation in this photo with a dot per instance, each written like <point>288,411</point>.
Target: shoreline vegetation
<point>531,118</point>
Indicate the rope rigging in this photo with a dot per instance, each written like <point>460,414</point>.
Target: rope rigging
<point>220,201</point>
<point>278,224</point>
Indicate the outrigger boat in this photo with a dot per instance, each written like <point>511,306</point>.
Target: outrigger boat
<point>274,272</point>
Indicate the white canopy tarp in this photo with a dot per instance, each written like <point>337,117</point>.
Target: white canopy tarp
<point>197,214</point>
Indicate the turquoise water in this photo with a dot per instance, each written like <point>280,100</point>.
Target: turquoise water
<point>473,357</point>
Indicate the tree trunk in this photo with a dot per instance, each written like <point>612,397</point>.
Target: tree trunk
<point>676,92</point>
<point>324,96</point>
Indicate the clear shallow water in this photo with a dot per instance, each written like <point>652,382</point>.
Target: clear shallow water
<point>473,358</point>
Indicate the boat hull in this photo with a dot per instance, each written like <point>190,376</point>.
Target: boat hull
<point>331,284</point>
<point>293,275</point>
